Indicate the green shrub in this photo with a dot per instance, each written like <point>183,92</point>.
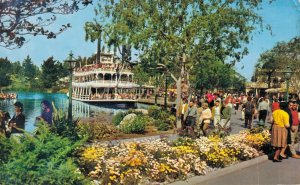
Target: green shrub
<point>163,126</point>
<point>158,122</point>
<point>62,127</point>
<point>165,121</point>
<point>94,130</point>
<point>183,142</point>
<point>116,120</point>
<point>45,158</point>
<point>163,115</point>
<point>130,111</point>
<point>172,119</point>
<point>6,146</point>
<point>154,111</point>
<point>138,125</point>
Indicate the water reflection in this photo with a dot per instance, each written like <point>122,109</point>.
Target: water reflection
<point>32,106</point>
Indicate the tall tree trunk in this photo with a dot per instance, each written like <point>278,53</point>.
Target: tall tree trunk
<point>178,98</point>
<point>178,102</point>
<point>99,49</point>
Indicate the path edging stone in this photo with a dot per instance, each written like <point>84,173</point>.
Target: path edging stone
<point>196,180</point>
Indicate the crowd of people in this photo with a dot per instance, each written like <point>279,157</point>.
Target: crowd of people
<point>103,66</point>
<point>8,96</point>
<point>100,96</point>
<point>94,67</point>
<point>201,111</point>
<point>216,110</point>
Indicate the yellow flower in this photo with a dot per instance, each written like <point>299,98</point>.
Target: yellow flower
<point>92,153</point>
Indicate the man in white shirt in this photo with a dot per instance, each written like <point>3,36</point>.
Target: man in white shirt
<point>263,108</point>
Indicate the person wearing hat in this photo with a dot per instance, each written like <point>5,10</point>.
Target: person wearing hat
<point>17,122</point>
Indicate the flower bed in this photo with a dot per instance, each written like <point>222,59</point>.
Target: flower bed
<point>160,161</point>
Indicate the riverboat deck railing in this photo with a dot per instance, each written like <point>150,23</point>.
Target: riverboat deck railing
<point>84,73</point>
<point>106,83</point>
<point>105,97</point>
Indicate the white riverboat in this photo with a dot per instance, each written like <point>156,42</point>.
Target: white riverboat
<point>110,81</point>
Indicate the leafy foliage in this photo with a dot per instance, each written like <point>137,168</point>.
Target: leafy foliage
<point>6,146</point>
<point>270,66</point>
<point>26,17</point>
<point>41,159</point>
<point>162,119</point>
<point>62,127</point>
<point>27,76</point>
<point>189,23</point>
<point>95,130</point>
<point>5,71</point>
<point>212,74</point>
<point>140,75</point>
<point>138,125</point>
<point>163,126</point>
<point>154,111</point>
<point>116,120</point>
<point>29,70</point>
<point>52,70</point>
<point>93,32</point>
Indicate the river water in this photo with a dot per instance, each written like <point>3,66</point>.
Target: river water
<point>32,106</point>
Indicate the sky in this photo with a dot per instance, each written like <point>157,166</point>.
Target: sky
<point>282,15</point>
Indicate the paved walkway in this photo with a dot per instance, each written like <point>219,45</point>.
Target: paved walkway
<point>263,173</point>
<point>258,171</point>
<point>237,124</point>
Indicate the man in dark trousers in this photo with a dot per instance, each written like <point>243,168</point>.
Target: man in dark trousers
<point>248,108</point>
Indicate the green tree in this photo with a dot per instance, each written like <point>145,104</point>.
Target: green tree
<point>208,75</point>
<point>267,64</point>
<point>140,76</point>
<point>182,33</point>
<point>5,72</point>
<point>51,72</point>
<point>17,67</point>
<point>29,70</point>
<point>272,62</point>
<point>93,32</point>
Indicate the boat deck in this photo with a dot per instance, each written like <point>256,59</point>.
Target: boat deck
<point>106,100</point>
<point>151,101</point>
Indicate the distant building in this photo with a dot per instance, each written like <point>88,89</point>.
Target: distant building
<point>272,83</point>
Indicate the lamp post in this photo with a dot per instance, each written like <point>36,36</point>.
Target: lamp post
<point>71,66</point>
<point>287,74</point>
